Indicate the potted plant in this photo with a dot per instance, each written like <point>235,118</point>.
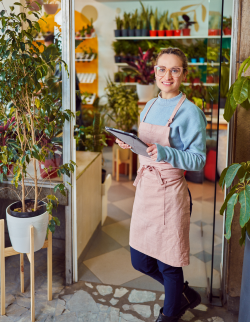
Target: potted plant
<point>117,46</point>
<point>50,6</point>
<point>187,23</point>
<point>138,29</point>
<point>168,25</point>
<point>161,30</point>
<point>194,75</point>
<point>238,174</point>
<point>214,25</point>
<point>30,93</point>
<point>144,68</point>
<point>132,25</point>
<point>125,24</point>
<point>118,21</point>
<point>153,24</point>
<point>227,25</point>
<point>176,25</point>
<point>144,20</point>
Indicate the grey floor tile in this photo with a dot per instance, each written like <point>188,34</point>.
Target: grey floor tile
<point>119,192</point>
<point>127,247</point>
<point>145,282</point>
<point>203,256</point>
<point>217,256</point>
<point>102,244</point>
<point>115,214</point>
<point>86,275</point>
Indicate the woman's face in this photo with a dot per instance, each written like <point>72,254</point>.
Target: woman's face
<point>170,84</point>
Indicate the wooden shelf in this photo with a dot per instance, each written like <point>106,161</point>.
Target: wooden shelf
<point>174,37</point>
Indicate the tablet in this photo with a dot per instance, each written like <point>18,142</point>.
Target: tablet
<point>137,145</point>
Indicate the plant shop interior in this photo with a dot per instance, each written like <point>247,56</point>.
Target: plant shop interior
<point>110,55</point>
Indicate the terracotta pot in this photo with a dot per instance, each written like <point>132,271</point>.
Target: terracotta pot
<point>132,79</point>
<point>50,8</point>
<point>212,32</point>
<point>53,163</point>
<point>152,33</point>
<point>210,79</point>
<point>169,33</point>
<point>33,6</point>
<point>161,33</point>
<point>219,32</point>
<point>227,31</point>
<point>197,80</point>
<point>126,80</point>
<point>186,32</point>
<point>177,33</point>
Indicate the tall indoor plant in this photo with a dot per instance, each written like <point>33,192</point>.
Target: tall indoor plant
<point>239,173</point>
<point>144,68</point>
<point>31,94</point>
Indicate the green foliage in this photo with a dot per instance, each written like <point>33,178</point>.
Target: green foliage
<point>238,93</point>
<point>133,21</point>
<point>126,18</point>
<point>215,21</point>
<point>119,22</point>
<point>238,193</point>
<point>227,22</point>
<point>31,95</point>
<point>199,102</point>
<point>122,105</point>
<point>176,23</point>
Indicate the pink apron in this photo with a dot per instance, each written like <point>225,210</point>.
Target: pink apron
<point>161,213</point>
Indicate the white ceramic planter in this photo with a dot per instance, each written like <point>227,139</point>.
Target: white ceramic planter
<point>19,231</point>
<point>145,92</point>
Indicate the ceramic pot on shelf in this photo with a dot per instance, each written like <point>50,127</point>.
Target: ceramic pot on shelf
<point>212,32</point>
<point>124,32</point>
<point>169,33</point>
<point>177,33</point>
<point>138,32</point>
<point>117,33</point>
<point>131,32</point>
<point>161,33</point>
<point>227,31</point>
<point>145,92</point>
<point>186,31</point>
<point>153,33</point>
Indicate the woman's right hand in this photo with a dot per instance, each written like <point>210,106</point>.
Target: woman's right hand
<point>122,144</point>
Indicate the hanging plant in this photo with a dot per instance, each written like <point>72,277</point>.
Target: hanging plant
<point>34,5</point>
<point>51,6</point>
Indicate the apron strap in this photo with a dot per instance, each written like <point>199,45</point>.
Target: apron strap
<point>149,109</point>
<point>150,168</point>
<point>176,110</point>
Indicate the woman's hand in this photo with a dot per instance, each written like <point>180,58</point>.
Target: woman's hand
<point>152,151</point>
<point>122,144</point>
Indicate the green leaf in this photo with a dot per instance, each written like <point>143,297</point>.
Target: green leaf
<point>243,236</point>
<point>231,173</point>
<point>246,104</point>
<point>228,112</point>
<point>242,67</point>
<point>244,200</point>
<point>240,91</point>
<point>230,213</point>
<point>228,196</point>
<point>57,221</point>
<point>222,177</point>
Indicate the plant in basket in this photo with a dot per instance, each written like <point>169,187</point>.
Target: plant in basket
<point>31,93</point>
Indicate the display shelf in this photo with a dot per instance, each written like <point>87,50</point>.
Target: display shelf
<point>89,100</point>
<point>85,59</point>
<point>189,63</point>
<point>93,35</point>
<point>86,78</point>
<point>38,39</point>
<point>167,38</point>
<point>185,84</point>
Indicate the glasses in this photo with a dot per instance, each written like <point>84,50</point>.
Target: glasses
<point>162,71</point>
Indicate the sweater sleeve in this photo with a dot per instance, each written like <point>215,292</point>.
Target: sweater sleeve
<point>193,137</point>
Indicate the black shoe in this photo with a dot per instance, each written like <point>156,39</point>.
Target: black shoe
<point>190,299</point>
<point>164,318</point>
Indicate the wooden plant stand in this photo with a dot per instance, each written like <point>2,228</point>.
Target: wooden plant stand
<point>9,251</point>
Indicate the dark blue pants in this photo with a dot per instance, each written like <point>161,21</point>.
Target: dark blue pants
<point>171,277</point>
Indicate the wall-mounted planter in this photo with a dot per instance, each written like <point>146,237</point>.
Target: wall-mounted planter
<point>19,230</point>
<point>177,33</point>
<point>169,33</point>
<point>186,31</point>
<point>50,8</point>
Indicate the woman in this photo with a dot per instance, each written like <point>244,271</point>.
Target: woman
<point>175,130</point>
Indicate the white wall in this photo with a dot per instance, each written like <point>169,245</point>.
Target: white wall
<point>105,24</point>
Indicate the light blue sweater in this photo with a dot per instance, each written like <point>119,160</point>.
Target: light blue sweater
<point>187,132</point>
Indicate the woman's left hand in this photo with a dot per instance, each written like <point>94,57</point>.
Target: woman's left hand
<point>152,151</point>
